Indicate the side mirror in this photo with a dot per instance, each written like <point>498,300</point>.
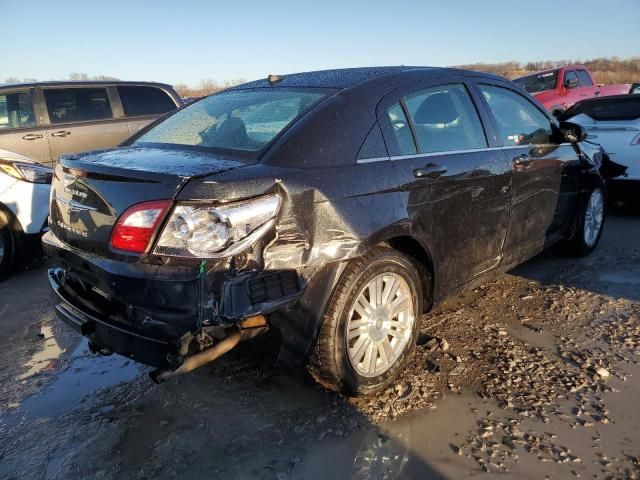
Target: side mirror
<point>572,132</point>
<point>571,82</point>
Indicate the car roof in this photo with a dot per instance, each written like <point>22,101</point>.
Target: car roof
<point>350,77</point>
<point>80,83</point>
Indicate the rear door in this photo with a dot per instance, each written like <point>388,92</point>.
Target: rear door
<point>142,104</point>
<point>82,118</point>
<point>457,185</point>
<point>544,185</point>
<point>21,129</point>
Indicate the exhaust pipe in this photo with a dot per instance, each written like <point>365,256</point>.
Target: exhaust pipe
<point>199,359</point>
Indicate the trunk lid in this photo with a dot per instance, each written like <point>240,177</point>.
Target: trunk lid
<point>90,191</point>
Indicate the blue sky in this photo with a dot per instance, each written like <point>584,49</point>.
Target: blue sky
<point>183,42</point>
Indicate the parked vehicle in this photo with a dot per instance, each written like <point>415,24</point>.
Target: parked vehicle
<point>614,123</point>
<point>335,207</point>
<point>45,120</point>
<point>24,206</point>
<point>559,88</point>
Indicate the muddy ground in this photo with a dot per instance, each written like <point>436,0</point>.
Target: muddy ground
<point>533,375</point>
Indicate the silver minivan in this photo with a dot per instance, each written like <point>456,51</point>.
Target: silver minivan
<point>46,120</point>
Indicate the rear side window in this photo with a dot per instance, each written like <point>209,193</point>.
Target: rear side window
<point>401,130</point>
<point>77,104</point>
<point>585,80</point>
<point>16,110</point>
<point>445,119</point>
<point>243,120</point>
<point>138,100</point>
<point>519,121</point>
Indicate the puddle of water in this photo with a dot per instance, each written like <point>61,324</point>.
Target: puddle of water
<point>45,358</point>
<point>619,277</point>
<point>416,446</point>
<point>70,387</point>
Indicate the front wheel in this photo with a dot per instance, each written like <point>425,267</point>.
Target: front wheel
<point>589,223</point>
<point>7,247</point>
<point>370,326</point>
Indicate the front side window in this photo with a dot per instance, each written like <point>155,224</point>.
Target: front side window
<point>77,104</point>
<point>445,119</point>
<point>401,130</point>
<point>571,79</point>
<point>242,120</point>
<point>139,100</point>
<point>585,79</point>
<point>519,121</point>
<point>16,110</point>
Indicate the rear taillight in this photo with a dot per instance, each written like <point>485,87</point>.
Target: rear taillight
<point>137,224</point>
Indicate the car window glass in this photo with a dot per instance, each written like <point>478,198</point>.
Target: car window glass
<point>138,100</point>
<point>585,80</point>
<point>519,121</point>
<point>16,110</point>
<point>570,77</point>
<point>77,104</point>
<point>402,131</point>
<point>445,119</point>
<point>236,120</point>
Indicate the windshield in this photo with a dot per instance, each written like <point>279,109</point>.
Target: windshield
<point>613,108</point>
<point>538,82</point>
<point>242,120</point>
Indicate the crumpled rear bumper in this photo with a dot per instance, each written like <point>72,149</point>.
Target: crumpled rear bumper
<point>101,332</point>
<point>142,311</point>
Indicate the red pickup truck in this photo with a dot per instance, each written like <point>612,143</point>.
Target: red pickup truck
<point>559,88</point>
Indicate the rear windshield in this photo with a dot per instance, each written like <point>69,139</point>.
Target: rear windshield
<point>538,82</point>
<point>241,120</point>
<point>625,108</point>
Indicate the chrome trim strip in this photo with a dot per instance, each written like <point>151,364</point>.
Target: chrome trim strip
<point>453,152</point>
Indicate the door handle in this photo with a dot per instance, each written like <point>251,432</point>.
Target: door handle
<point>597,93</point>
<point>61,133</point>
<point>522,161</point>
<point>432,171</point>
<point>31,136</point>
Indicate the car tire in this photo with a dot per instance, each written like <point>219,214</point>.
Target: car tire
<point>8,245</point>
<point>385,339</point>
<point>589,224</point>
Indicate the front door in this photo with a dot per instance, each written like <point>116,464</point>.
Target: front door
<point>458,188</point>
<point>543,186</point>
<point>19,130</point>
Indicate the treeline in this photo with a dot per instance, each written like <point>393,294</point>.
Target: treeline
<point>606,70</point>
<point>206,87</point>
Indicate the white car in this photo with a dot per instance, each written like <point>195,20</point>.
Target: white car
<point>24,205</point>
<point>614,123</point>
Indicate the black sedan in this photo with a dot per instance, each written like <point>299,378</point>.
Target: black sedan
<point>333,207</point>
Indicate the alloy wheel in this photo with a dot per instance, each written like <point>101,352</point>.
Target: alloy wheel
<point>380,324</point>
<point>593,217</point>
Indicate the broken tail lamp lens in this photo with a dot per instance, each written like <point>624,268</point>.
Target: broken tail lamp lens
<point>197,231</point>
<point>137,224</point>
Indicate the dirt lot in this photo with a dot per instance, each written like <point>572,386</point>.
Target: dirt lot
<point>533,375</point>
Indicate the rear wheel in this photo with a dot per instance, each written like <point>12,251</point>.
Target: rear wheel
<point>588,226</point>
<point>370,326</point>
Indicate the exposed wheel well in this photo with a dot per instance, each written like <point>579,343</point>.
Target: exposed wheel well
<point>413,249</point>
